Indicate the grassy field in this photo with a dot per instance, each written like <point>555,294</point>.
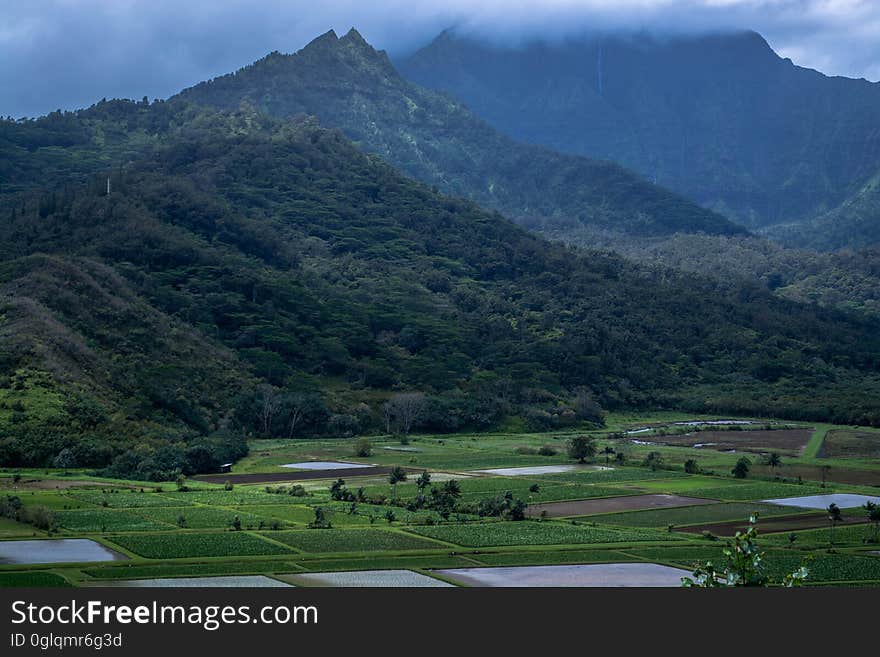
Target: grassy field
<point>689,515</point>
<point>352,540</point>
<point>537,533</point>
<point>207,530</point>
<point>215,544</point>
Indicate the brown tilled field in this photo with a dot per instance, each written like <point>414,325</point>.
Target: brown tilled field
<point>611,504</point>
<point>837,474</point>
<point>851,444</point>
<point>784,441</point>
<point>305,475</point>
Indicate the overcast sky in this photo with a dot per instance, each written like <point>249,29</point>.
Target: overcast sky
<point>70,53</point>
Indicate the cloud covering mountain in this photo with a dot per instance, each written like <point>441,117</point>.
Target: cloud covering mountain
<point>67,54</point>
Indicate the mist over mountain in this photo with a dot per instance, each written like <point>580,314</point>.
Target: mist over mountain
<point>720,118</point>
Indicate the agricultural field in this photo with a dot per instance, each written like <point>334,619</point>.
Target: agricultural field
<point>609,504</point>
<point>353,540</point>
<point>848,444</point>
<point>642,506</point>
<point>689,515</point>
<point>537,533</point>
<point>783,441</point>
<point>216,544</point>
<point>106,520</point>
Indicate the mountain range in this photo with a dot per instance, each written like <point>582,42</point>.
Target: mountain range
<point>280,250</point>
<point>719,118</point>
<point>349,85</point>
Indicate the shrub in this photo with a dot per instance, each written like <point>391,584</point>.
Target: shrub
<point>363,447</point>
<point>297,490</point>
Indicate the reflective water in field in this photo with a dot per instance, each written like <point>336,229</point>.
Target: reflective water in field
<point>843,500</point>
<point>584,575</point>
<point>65,550</point>
<point>539,469</point>
<point>370,578</point>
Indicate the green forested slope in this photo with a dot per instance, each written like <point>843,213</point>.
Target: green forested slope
<point>434,138</point>
<point>242,260</point>
<point>719,118</point>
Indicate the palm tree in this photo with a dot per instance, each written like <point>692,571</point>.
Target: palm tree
<point>396,475</point>
<point>608,451</point>
<point>774,461</point>
<point>834,517</point>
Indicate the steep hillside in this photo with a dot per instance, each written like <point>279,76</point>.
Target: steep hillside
<point>720,119</point>
<point>855,223</point>
<point>848,280</point>
<point>86,363</point>
<point>433,138</point>
<point>248,270</point>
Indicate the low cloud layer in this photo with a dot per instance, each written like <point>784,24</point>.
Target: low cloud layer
<point>70,53</point>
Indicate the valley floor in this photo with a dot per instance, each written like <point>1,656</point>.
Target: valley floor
<point>611,511</point>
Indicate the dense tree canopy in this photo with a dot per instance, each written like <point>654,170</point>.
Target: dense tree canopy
<point>255,276</point>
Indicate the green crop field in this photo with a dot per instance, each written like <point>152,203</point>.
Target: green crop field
<point>300,514</point>
<point>37,578</point>
<point>107,520</point>
<point>756,491</point>
<point>353,540</point>
<point>689,515</point>
<point>182,544</point>
<point>125,499</point>
<point>246,567</point>
<point>237,497</point>
<point>616,475</point>
<point>535,533</point>
<point>166,532</point>
<point>204,517</point>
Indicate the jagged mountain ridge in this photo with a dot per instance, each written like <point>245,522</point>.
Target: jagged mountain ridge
<point>432,137</point>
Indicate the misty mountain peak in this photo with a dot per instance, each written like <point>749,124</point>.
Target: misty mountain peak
<point>329,38</point>
<point>354,37</point>
<point>352,50</point>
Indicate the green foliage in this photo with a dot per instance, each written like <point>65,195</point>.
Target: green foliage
<point>320,521</point>
<point>352,540</point>
<point>115,498</point>
<point>744,565</point>
<point>582,448</point>
<point>186,544</point>
<point>363,448</point>
<point>398,121</point>
<point>689,515</point>
<point>687,117</point>
<point>741,469</point>
<point>201,517</point>
<point>653,461</point>
<point>266,275</point>
<point>107,520</point>
<point>755,491</point>
<point>32,579</point>
<point>535,533</point>
<point>41,517</point>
